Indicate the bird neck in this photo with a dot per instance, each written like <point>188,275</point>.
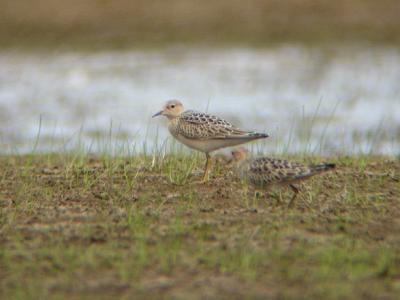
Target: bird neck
<point>170,118</point>
<point>173,125</point>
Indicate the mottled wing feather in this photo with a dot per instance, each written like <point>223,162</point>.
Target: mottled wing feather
<point>265,170</point>
<point>199,125</point>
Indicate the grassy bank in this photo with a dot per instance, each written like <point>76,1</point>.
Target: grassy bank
<point>79,226</point>
<point>116,24</point>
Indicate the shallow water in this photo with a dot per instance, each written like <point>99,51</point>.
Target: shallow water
<point>323,100</point>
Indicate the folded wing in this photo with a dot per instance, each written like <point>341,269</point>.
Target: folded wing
<point>268,170</point>
<point>197,125</point>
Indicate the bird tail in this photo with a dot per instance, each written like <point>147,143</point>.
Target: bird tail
<point>322,167</point>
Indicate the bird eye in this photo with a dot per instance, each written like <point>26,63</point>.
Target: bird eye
<point>172,106</point>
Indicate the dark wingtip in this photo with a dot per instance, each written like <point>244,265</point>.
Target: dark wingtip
<point>323,167</point>
<point>260,135</point>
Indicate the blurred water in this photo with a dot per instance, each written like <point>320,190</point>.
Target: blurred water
<point>324,100</point>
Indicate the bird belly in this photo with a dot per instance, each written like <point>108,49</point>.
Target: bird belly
<point>205,146</point>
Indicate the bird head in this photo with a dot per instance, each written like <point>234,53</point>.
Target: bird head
<point>239,154</point>
<point>171,110</point>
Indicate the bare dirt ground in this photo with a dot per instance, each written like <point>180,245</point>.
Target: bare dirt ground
<point>81,227</point>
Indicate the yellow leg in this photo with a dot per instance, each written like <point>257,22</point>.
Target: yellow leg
<point>207,168</point>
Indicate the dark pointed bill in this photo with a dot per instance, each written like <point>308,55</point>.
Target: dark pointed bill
<point>157,114</point>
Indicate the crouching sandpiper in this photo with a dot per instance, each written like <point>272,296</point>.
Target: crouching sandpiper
<point>264,172</point>
<point>203,132</point>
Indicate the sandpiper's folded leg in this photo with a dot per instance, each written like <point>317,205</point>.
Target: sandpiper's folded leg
<point>207,167</point>
<point>295,191</point>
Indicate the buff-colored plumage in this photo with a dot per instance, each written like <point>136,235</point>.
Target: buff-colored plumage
<point>204,132</point>
<point>263,172</point>
<point>207,133</point>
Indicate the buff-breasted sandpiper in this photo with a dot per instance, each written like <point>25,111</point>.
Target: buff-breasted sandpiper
<point>204,132</point>
<point>264,172</point>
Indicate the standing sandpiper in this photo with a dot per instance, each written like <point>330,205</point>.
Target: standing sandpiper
<point>203,132</point>
<point>263,172</point>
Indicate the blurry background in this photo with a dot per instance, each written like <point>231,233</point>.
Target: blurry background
<point>318,76</point>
